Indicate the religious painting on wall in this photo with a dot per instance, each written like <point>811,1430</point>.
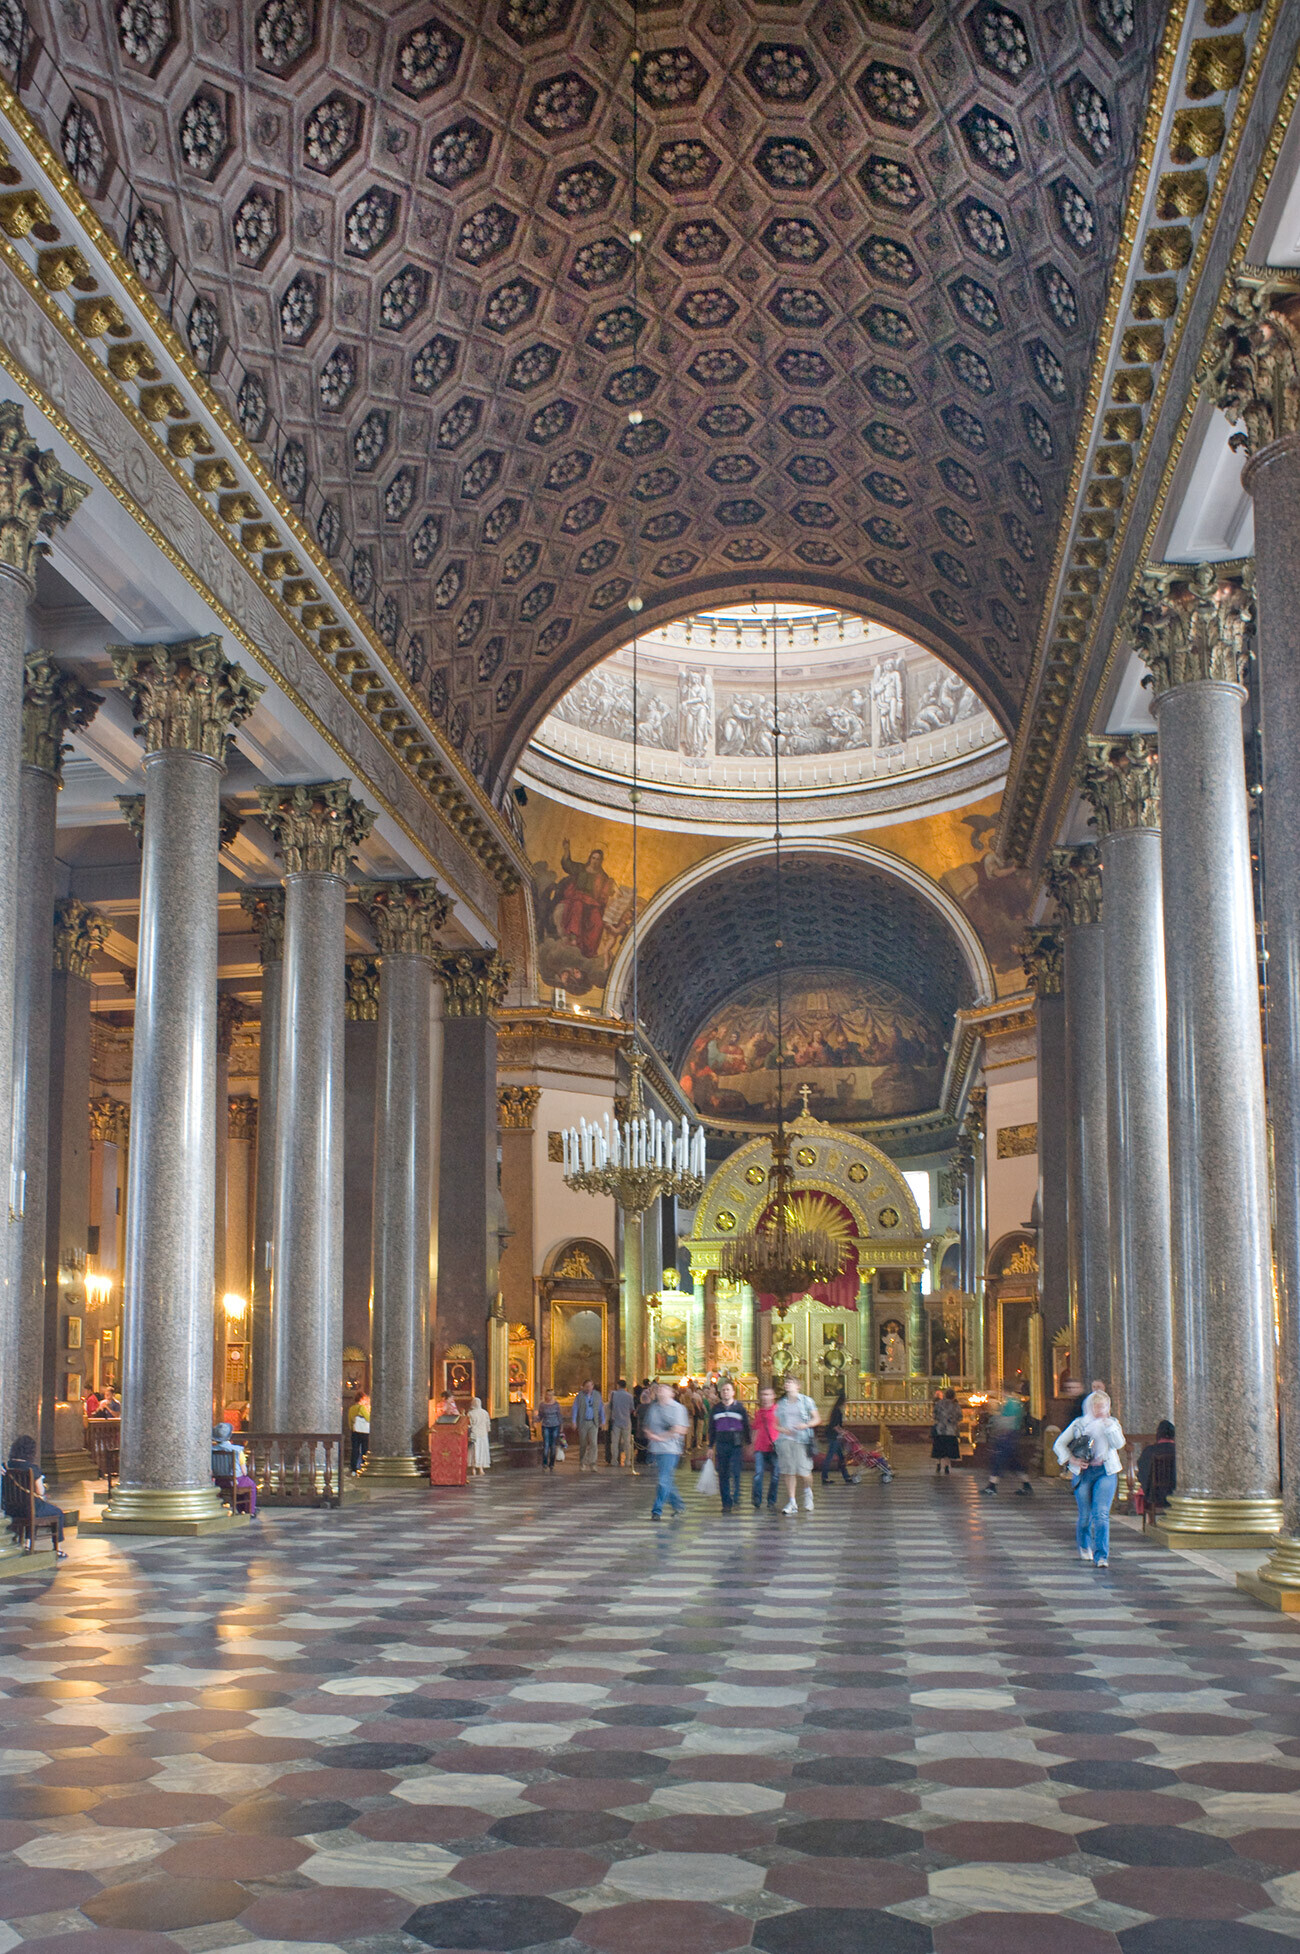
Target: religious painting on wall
<point>583,914</point>
<point>672,1344</point>
<point>577,1347</point>
<point>862,1046</point>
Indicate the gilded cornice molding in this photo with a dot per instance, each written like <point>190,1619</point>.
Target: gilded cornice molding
<point>317,829</point>
<point>1042,952</point>
<point>517,1107</point>
<point>264,908</point>
<point>1254,357</point>
<point>78,933</point>
<point>405,916</point>
<point>241,1111</point>
<point>474,982</point>
<point>1074,883</point>
<point>231,1013</point>
<point>1191,626</point>
<point>185,697</point>
<point>36,495</point>
<point>54,702</point>
<point>1120,778</point>
<point>361,999</point>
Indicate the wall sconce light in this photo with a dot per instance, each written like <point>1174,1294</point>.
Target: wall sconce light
<point>236,1307</point>
<point>99,1289</point>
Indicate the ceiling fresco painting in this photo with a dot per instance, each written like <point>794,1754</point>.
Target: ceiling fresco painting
<point>862,1046</point>
<point>877,239</point>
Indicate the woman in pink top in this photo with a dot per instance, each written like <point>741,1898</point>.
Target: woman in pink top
<point>764,1430</point>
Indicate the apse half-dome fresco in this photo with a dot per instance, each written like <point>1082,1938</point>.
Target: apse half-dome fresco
<point>863,1047</point>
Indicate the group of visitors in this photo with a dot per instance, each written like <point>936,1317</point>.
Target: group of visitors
<point>781,1434</point>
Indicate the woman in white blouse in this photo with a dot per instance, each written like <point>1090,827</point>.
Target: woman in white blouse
<point>1089,1449</point>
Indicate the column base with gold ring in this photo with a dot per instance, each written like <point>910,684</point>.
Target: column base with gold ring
<point>148,1509</point>
<point>402,1472</point>
<point>1277,1582</point>
<point>1192,1521</point>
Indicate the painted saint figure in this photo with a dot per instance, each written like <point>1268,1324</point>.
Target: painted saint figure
<point>582,898</point>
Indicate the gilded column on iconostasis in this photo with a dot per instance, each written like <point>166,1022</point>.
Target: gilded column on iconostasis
<point>264,907</point>
<point>317,829</point>
<point>1074,879</point>
<point>54,703</point>
<point>1192,628</point>
<point>1256,380</point>
<point>1042,951</point>
<point>405,917</point>
<point>188,699</point>
<point>1121,779</point>
<point>36,498</point>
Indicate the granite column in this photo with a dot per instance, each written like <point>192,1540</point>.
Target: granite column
<point>188,699</point>
<point>36,497</point>
<point>1074,878</point>
<point>1043,954</point>
<point>404,917</point>
<point>1121,780</point>
<point>264,907</point>
<point>1256,380</point>
<point>468,1255</point>
<point>360,1072</point>
<point>1191,627</point>
<point>317,829</point>
<point>53,703</point>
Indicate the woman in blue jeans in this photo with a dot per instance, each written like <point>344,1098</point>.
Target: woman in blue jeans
<point>551,1419</point>
<point>1089,1448</point>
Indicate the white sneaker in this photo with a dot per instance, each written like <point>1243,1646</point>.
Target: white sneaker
<point>807,1499</point>
<point>1085,1553</point>
<point>791,1508</point>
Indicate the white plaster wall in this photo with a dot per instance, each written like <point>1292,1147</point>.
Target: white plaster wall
<point>558,1213</point>
<point>1012,1184</point>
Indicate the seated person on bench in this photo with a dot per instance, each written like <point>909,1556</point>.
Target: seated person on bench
<point>23,1474</point>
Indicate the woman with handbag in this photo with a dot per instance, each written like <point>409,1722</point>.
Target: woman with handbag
<point>1089,1449</point>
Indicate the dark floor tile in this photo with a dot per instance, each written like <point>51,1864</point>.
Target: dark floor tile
<point>654,1926</point>
<point>560,1828</point>
<point>1021,1933</point>
<point>492,1921</point>
<point>994,1840</point>
<point>842,1930</point>
<point>286,1818</point>
<point>43,1800</point>
<point>1102,1774</point>
<point>853,1770</point>
<point>854,1882</point>
<point>633,1764</point>
<point>850,1838</point>
<point>531,1869</point>
<point>1154,1845</point>
<point>36,1889</point>
<point>1199,1937</point>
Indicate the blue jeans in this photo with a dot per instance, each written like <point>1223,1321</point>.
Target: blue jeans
<point>765,1462</point>
<point>665,1465</point>
<point>726,1455</point>
<point>1094,1490</point>
<point>550,1436</point>
<point>835,1457</point>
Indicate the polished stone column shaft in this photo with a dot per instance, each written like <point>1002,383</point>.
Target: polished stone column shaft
<point>408,1091</point>
<point>316,829</point>
<point>1043,953</point>
<point>360,1072</point>
<point>469,1234</point>
<point>1122,782</point>
<point>187,700</point>
<point>264,906</point>
<point>1074,877</point>
<point>1191,629</point>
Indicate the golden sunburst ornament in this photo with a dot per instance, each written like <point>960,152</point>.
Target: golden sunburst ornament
<point>803,1239</point>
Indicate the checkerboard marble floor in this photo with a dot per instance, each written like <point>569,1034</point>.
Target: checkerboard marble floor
<point>518,1716</point>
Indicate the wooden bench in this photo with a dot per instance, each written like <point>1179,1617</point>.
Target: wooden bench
<point>18,1498</point>
<point>103,1441</point>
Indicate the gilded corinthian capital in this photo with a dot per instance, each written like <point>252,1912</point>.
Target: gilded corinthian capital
<point>361,990</point>
<point>316,828</point>
<point>1254,356</point>
<point>404,916</point>
<point>54,702</point>
<point>186,697</point>
<point>1041,950</point>
<point>1189,624</point>
<point>264,908</point>
<point>78,933</point>
<point>1074,883</point>
<point>36,496</point>
<point>516,1107</point>
<point>1121,778</point>
<point>474,981</point>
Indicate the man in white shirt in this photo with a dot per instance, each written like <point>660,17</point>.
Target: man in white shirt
<point>666,1425</point>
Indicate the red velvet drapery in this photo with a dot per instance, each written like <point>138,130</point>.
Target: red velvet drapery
<point>842,1293</point>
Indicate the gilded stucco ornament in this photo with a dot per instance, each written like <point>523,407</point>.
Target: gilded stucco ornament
<point>473,982</point>
<point>37,496</point>
<point>405,915</point>
<point>132,806</point>
<point>110,1121</point>
<point>242,1112</point>
<point>186,697</point>
<point>54,703</point>
<point>318,828</point>
<point>517,1107</point>
<point>1193,625</point>
<point>78,933</point>
<point>1074,883</point>
<point>232,1012</point>
<point>1121,779</point>
<point>264,909</point>
<point>1254,358</point>
<point>361,990</point>
<point>1042,950</point>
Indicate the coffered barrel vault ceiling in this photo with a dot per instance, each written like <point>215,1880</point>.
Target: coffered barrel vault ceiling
<point>835,914</point>
<point>878,239</point>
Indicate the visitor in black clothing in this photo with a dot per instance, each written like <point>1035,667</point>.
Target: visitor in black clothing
<point>728,1437</point>
<point>1162,1449</point>
<point>24,1472</point>
<point>835,1444</point>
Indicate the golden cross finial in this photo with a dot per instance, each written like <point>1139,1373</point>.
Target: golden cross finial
<point>805,1092</point>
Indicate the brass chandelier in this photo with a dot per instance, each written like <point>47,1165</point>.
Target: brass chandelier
<point>782,1256</point>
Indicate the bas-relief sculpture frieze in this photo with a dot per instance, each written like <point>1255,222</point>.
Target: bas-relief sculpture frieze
<point>59,377</point>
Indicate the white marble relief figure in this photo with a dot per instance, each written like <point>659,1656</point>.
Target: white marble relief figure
<point>887,698</point>
<point>745,727</point>
<point>695,713</point>
<point>655,725</point>
<point>946,699</point>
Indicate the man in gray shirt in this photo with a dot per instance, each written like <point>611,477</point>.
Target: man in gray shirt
<point>666,1426</point>
<point>588,1423</point>
<point>620,1426</point>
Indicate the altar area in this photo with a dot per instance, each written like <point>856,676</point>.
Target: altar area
<point>873,1332</point>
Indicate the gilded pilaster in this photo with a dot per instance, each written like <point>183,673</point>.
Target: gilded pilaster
<point>1121,780</point>
<point>1074,884</point>
<point>1193,625</point>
